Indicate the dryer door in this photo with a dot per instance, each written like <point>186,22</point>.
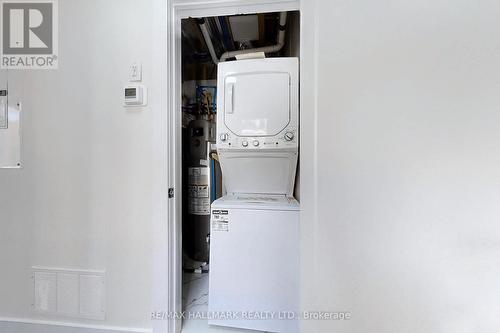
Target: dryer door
<point>257,104</point>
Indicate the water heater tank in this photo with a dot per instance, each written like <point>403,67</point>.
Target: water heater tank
<point>201,131</point>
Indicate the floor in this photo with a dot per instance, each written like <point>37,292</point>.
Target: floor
<point>195,300</point>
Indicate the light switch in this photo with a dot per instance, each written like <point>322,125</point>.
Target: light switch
<point>135,72</point>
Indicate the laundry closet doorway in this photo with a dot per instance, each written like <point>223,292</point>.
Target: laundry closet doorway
<point>182,13</point>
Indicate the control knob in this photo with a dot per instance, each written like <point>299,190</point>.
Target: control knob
<point>289,136</point>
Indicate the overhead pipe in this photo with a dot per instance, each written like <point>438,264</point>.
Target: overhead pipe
<point>228,39</point>
<point>231,54</point>
<point>266,49</point>
<point>208,40</point>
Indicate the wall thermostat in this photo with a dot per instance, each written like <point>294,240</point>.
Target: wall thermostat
<point>135,95</point>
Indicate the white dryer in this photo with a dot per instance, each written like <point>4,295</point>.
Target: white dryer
<point>257,124</point>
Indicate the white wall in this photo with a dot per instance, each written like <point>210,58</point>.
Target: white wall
<point>406,235</point>
<point>85,196</point>
<point>399,164</point>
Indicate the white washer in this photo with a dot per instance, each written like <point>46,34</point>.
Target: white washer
<point>257,124</point>
<point>254,268</point>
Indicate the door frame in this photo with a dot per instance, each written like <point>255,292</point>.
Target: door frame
<point>176,11</point>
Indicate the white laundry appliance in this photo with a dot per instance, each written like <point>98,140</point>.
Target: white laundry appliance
<point>254,268</point>
<point>257,125</point>
<point>254,253</point>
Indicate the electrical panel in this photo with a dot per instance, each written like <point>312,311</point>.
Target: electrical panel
<point>10,126</point>
<point>3,109</point>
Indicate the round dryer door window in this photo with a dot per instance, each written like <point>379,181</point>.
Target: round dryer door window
<point>257,104</point>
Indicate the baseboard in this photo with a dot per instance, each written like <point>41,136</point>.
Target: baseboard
<point>19,325</point>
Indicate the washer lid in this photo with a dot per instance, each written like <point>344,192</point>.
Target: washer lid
<point>257,103</point>
<point>256,201</point>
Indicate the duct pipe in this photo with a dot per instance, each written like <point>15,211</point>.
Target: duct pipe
<point>266,49</point>
<point>206,35</point>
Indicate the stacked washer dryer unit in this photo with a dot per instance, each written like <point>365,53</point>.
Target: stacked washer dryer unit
<point>255,226</point>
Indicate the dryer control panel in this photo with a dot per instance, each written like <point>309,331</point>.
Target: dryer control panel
<point>284,140</point>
